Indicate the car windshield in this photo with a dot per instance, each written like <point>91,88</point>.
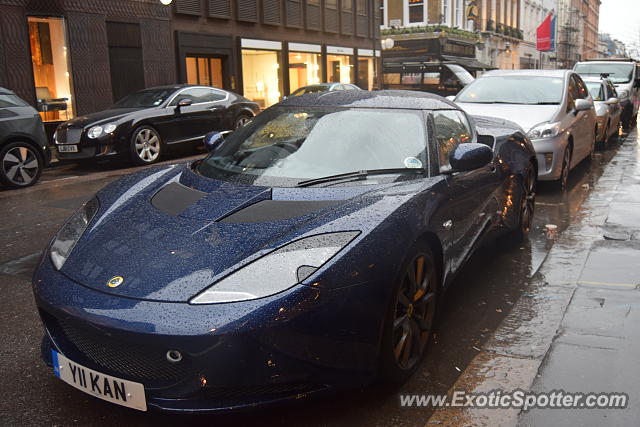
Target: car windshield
<point>311,89</point>
<point>283,146</point>
<point>144,98</point>
<point>618,73</point>
<point>529,90</point>
<point>595,89</point>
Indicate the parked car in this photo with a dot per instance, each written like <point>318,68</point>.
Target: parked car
<point>143,124</point>
<point>24,150</point>
<point>553,106</point>
<point>307,252</point>
<point>625,75</point>
<point>607,106</point>
<point>324,87</point>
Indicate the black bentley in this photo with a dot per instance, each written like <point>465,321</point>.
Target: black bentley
<point>141,125</point>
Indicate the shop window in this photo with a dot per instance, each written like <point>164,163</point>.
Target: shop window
<point>391,78</point>
<point>340,69</point>
<point>261,76</point>
<point>49,60</point>
<point>204,71</point>
<point>365,73</point>
<point>304,69</point>
<point>416,11</point>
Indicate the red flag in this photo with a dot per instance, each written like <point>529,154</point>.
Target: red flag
<point>543,39</point>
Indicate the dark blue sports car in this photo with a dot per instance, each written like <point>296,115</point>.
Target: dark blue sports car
<point>307,252</point>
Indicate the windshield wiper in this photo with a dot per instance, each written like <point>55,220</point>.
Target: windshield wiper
<point>359,174</point>
<point>546,103</point>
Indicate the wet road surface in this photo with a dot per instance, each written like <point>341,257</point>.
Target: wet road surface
<point>476,304</point>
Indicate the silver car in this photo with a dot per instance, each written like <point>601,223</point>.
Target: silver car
<point>554,108</point>
<point>607,105</point>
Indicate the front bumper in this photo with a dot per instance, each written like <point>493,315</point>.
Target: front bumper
<point>553,148</point>
<point>103,147</point>
<point>289,346</point>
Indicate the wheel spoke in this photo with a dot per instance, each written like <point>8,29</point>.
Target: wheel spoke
<point>11,172</point>
<point>153,140</point>
<point>154,148</point>
<point>400,321</point>
<point>408,346</point>
<point>11,158</point>
<point>402,299</point>
<point>425,299</point>
<point>397,351</point>
<point>25,176</point>
<point>139,146</point>
<point>422,323</point>
<point>32,164</point>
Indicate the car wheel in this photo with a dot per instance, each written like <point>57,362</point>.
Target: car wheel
<point>241,120</point>
<point>566,166</point>
<point>21,165</point>
<point>592,149</point>
<point>527,204</point>
<point>410,317</point>
<point>146,146</point>
<point>605,137</point>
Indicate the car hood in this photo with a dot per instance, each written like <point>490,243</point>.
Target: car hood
<point>172,256</point>
<point>100,117</point>
<point>527,116</point>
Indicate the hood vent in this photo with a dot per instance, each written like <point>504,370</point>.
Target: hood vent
<point>174,198</point>
<point>276,210</point>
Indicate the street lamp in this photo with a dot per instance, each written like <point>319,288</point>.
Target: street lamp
<point>166,2</point>
<point>387,43</point>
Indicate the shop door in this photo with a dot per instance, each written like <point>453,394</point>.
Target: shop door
<point>125,59</point>
<point>207,71</point>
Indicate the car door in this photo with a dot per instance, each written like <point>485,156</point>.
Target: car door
<point>194,121</point>
<point>576,122</point>
<point>615,110</point>
<point>586,119</point>
<point>473,204</point>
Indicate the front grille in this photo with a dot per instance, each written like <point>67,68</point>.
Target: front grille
<point>68,135</point>
<point>132,361</point>
<point>262,391</point>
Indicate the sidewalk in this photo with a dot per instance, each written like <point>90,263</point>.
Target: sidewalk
<point>578,327</point>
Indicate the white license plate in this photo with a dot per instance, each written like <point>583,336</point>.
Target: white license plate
<point>68,148</point>
<point>106,387</point>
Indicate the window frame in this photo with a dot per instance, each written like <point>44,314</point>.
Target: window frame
<point>465,120</point>
<point>406,10</point>
<point>212,89</point>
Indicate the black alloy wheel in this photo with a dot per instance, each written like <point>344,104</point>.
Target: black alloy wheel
<point>241,120</point>
<point>20,165</point>
<point>410,319</point>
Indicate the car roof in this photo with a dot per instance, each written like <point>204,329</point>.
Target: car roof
<point>541,73</point>
<point>4,91</point>
<point>393,99</point>
<point>176,87</point>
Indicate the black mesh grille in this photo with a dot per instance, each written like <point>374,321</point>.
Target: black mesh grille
<point>138,363</point>
<point>69,135</point>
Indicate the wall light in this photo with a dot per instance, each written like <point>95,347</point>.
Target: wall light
<point>166,2</point>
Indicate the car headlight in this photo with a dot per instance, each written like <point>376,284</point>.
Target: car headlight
<point>109,127</point>
<point>94,132</point>
<point>71,231</point>
<point>623,94</point>
<point>544,130</point>
<point>278,270</point>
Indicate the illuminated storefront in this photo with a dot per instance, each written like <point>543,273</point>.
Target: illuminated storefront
<point>305,65</point>
<point>340,66</point>
<point>366,69</point>
<point>48,45</point>
<point>261,71</point>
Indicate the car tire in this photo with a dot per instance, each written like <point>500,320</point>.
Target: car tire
<point>20,164</point>
<point>241,120</point>
<point>605,138</point>
<point>146,146</point>
<point>527,205</point>
<point>566,168</point>
<point>410,316</point>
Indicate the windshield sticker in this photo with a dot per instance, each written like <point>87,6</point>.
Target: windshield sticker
<point>412,163</point>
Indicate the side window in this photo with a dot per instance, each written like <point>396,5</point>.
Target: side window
<point>197,95</point>
<point>452,129</point>
<point>583,92</point>
<point>612,90</point>
<point>573,94</point>
<point>11,101</point>
<point>217,95</point>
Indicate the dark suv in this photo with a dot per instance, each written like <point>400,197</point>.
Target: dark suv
<point>24,150</point>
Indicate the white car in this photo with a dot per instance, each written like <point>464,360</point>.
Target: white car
<point>607,105</point>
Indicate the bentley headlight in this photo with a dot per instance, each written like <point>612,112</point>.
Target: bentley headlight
<point>109,127</point>
<point>94,132</point>
<point>278,270</point>
<point>71,231</point>
<point>544,130</point>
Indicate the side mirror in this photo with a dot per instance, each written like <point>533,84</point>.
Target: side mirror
<point>470,156</point>
<point>451,98</point>
<point>184,102</point>
<point>612,101</point>
<point>582,105</point>
<point>213,139</point>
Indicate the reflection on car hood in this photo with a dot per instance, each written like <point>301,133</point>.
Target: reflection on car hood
<point>527,116</point>
<point>168,257</point>
<point>100,116</point>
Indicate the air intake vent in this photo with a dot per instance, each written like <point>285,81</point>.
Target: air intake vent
<point>277,210</point>
<point>294,13</point>
<point>314,18</point>
<point>271,12</point>
<point>220,9</point>
<point>247,10</point>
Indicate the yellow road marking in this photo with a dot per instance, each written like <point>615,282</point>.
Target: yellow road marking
<point>623,285</point>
